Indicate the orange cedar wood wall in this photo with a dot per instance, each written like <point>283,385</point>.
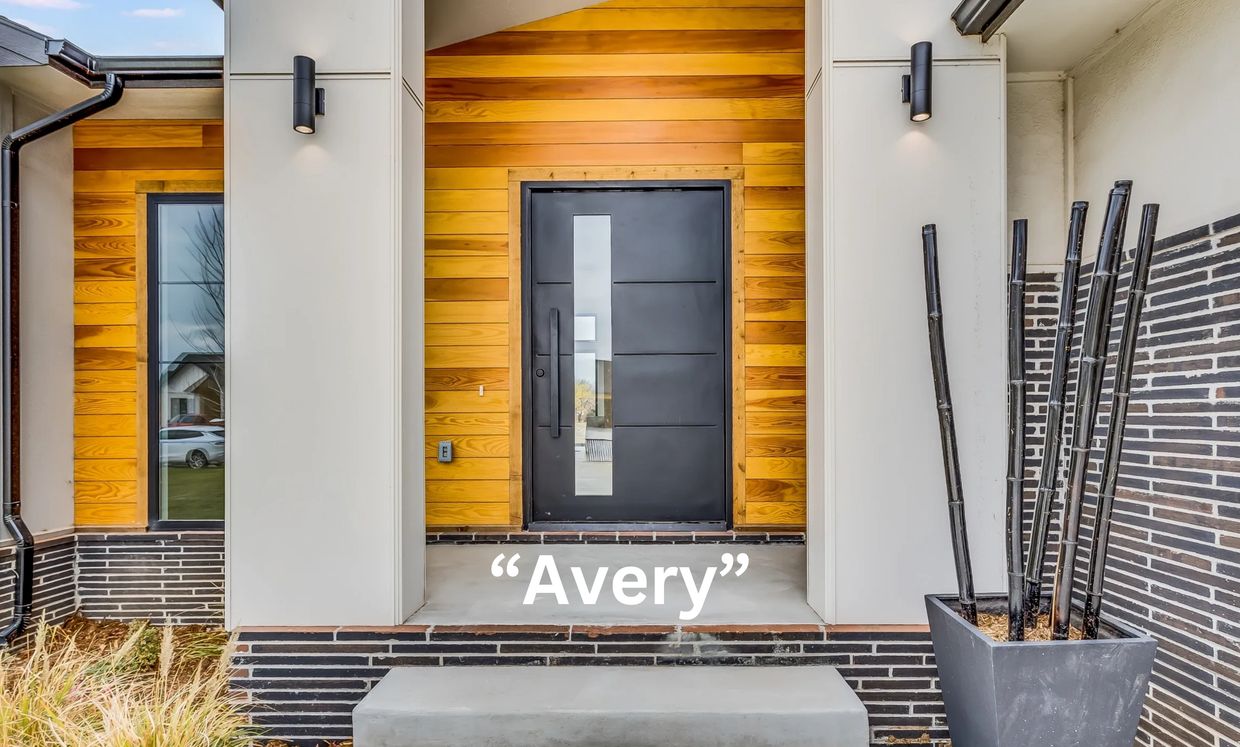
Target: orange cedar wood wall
<point>634,83</point>
<point>110,158</point>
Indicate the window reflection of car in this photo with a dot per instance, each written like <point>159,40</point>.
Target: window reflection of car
<point>189,419</point>
<point>195,448</point>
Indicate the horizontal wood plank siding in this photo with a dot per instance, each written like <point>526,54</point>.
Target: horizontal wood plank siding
<point>111,158</point>
<point>673,84</point>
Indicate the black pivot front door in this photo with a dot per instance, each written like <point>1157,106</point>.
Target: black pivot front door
<point>626,357</point>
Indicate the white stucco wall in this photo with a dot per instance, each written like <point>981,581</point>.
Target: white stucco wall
<point>1153,106</point>
<point>315,500</point>
<point>1037,187</point>
<point>815,36</point>
<point>412,544</point>
<point>881,538</point>
<point>875,30</point>
<point>819,518</point>
<point>46,320</point>
<point>451,21</point>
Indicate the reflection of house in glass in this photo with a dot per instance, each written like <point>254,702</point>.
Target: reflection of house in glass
<point>592,355</point>
<point>592,393</point>
<point>191,390</point>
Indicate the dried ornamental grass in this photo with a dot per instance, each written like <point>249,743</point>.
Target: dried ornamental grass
<point>140,692</point>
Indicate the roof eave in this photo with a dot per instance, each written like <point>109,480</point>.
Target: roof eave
<point>24,47</point>
<point>21,46</point>
<point>138,72</point>
<point>983,17</point>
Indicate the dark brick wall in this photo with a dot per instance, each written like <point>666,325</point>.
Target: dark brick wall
<point>302,685</point>
<point>54,595</point>
<point>1174,566</point>
<point>172,578</point>
<point>783,537</point>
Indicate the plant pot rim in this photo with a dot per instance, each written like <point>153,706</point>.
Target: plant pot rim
<point>1126,632</point>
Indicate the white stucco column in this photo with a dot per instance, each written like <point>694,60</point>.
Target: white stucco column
<point>878,535</point>
<point>46,294</point>
<point>324,245</point>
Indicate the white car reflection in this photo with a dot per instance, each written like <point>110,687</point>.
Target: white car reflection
<point>194,447</point>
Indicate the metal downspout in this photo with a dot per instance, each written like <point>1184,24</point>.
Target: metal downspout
<point>10,442</point>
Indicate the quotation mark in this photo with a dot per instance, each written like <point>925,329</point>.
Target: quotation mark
<point>741,560</point>
<point>498,570</point>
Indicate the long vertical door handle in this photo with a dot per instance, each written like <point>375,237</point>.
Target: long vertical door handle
<point>555,373</point>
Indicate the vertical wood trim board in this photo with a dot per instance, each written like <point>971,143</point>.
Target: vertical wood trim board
<point>621,90</point>
<point>113,161</point>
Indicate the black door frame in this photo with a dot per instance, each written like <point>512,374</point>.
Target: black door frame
<point>154,200</point>
<point>528,190</point>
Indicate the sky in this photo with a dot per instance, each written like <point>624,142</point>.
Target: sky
<point>126,27</point>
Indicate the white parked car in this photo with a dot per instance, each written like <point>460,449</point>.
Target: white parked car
<point>191,446</point>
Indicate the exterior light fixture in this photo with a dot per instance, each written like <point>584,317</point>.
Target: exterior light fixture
<point>917,83</point>
<point>308,101</point>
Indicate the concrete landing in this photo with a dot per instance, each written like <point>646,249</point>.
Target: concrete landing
<point>461,589</point>
<point>611,707</point>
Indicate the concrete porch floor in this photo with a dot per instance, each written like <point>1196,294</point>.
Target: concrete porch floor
<point>461,589</point>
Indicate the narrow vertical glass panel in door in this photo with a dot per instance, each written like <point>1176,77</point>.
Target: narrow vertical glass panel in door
<point>592,359</point>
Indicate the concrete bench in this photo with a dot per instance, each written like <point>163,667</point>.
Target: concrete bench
<point>618,706</point>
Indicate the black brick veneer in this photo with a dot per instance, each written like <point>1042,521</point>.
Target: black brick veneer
<point>303,685</point>
<point>54,595</point>
<point>615,538</point>
<point>172,578</point>
<point>1175,551</point>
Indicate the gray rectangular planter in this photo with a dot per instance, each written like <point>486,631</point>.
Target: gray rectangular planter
<point>1032,693</point>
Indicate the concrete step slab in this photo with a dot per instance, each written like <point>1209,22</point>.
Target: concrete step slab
<point>611,706</point>
<point>462,590</point>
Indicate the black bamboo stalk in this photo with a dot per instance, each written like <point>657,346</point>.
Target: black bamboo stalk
<point>1016,431</point>
<point>1088,388</point>
<point>947,427</point>
<point>1048,476</point>
<point>1119,416</point>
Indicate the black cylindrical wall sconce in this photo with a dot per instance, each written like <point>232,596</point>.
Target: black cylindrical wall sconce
<point>917,83</point>
<point>308,101</point>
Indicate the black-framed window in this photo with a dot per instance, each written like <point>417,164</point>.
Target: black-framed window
<point>185,329</point>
